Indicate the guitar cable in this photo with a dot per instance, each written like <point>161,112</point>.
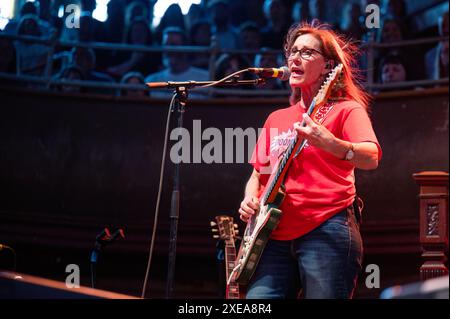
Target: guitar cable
<point>158,200</point>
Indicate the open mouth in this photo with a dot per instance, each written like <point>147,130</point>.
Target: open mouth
<point>297,72</point>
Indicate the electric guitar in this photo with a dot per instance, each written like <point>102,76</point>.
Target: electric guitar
<point>227,232</point>
<point>261,224</point>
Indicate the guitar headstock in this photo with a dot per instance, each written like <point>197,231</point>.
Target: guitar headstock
<point>325,90</point>
<point>226,228</point>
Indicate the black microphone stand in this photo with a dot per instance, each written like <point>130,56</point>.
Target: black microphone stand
<point>179,105</point>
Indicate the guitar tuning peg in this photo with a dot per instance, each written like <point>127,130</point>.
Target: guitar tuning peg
<point>214,230</point>
<point>216,236</point>
<point>213,223</point>
<point>235,225</point>
<point>237,231</point>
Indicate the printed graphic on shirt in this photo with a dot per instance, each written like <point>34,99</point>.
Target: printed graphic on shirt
<point>280,143</point>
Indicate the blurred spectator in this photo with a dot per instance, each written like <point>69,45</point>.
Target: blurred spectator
<point>70,73</point>
<point>96,27</point>
<point>350,23</point>
<point>133,78</point>
<point>195,14</point>
<point>436,60</point>
<point>200,34</point>
<point>391,31</point>
<point>31,57</point>
<point>269,59</point>
<point>392,69</point>
<point>136,9</point>
<point>46,10</point>
<point>113,27</point>
<point>227,64</point>
<point>278,24</point>
<point>222,31</point>
<point>397,10</point>
<point>113,32</point>
<point>84,59</point>
<point>317,10</point>
<point>177,64</point>
<point>139,33</point>
<point>90,29</point>
<point>28,8</point>
<point>237,12</point>
<point>173,17</point>
<point>249,38</point>
<point>7,56</point>
<point>299,12</point>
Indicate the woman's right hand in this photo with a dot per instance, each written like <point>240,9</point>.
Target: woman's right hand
<point>249,206</point>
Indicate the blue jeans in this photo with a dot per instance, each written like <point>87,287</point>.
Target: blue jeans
<point>324,263</point>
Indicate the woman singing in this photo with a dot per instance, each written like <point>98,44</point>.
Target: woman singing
<point>316,249</point>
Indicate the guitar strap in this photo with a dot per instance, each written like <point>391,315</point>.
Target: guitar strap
<point>319,117</point>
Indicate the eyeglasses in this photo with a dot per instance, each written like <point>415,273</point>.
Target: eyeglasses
<point>305,53</point>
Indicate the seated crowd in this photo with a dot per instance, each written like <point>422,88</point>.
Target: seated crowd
<point>228,24</point>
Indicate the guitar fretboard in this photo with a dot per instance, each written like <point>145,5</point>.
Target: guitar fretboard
<point>230,260</point>
<point>282,166</point>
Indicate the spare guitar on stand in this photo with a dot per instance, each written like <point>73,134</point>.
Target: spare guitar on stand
<point>226,231</point>
<point>261,224</point>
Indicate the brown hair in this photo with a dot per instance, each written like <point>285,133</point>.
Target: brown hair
<point>338,49</point>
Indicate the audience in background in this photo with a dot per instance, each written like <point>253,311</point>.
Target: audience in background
<point>350,23</point>
<point>114,26</point>
<point>299,12</point>
<point>269,59</point>
<point>177,66</point>
<point>31,56</point>
<point>173,17</point>
<point>234,24</point>
<point>392,69</point>
<point>138,33</point>
<point>196,13</point>
<point>84,59</point>
<point>436,60</point>
<point>222,31</point>
<point>317,10</point>
<point>135,78</point>
<point>249,38</point>
<point>70,73</point>
<point>200,35</point>
<point>227,64</point>
<point>278,24</point>
<point>29,8</point>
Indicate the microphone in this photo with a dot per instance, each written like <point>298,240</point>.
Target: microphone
<point>282,73</point>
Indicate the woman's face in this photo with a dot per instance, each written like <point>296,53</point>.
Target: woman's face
<point>305,61</point>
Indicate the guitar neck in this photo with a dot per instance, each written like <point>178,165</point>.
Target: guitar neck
<point>230,259</point>
<point>294,147</point>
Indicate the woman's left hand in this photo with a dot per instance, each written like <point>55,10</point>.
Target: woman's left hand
<point>316,134</point>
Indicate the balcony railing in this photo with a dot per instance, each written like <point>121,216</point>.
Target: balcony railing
<point>214,50</point>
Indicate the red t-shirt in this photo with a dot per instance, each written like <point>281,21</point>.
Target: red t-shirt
<point>318,184</point>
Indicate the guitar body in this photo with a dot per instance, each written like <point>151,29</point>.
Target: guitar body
<point>261,227</point>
